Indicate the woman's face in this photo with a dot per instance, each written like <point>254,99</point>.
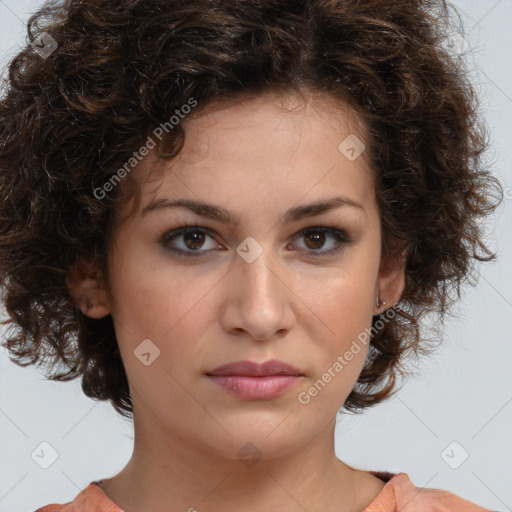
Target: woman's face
<point>257,289</point>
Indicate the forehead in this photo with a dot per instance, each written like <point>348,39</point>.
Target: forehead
<point>264,149</point>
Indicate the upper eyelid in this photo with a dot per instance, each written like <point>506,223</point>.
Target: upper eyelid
<point>190,227</point>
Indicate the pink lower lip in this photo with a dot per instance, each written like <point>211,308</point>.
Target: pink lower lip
<point>255,388</point>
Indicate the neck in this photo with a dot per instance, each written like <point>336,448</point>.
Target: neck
<point>166,471</point>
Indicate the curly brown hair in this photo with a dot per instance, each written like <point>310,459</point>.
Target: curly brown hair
<point>120,68</point>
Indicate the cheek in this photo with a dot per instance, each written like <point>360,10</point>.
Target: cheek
<point>148,293</point>
<point>343,303</point>
<point>162,303</point>
<point>340,328</point>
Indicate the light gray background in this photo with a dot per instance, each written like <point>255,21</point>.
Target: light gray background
<point>464,393</point>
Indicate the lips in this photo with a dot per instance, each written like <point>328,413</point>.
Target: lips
<point>253,369</point>
<point>255,381</point>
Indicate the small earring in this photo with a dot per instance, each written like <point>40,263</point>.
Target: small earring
<point>89,306</point>
<point>379,303</point>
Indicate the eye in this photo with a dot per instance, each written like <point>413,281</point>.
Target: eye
<point>193,239</point>
<point>315,238</point>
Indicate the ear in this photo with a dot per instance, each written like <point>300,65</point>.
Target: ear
<point>390,281</point>
<point>87,290</point>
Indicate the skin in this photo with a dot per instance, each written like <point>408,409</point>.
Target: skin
<point>257,158</point>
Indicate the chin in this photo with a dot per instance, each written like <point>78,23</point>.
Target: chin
<point>255,437</point>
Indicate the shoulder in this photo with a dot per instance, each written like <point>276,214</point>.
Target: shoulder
<point>91,499</point>
<point>399,493</point>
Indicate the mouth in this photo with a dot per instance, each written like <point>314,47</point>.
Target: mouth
<point>256,381</point>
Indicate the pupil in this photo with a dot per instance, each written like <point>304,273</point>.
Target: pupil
<point>196,238</point>
<point>320,237</point>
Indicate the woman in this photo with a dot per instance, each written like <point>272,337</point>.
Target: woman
<point>230,219</point>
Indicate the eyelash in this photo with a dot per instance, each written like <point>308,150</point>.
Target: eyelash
<point>339,235</point>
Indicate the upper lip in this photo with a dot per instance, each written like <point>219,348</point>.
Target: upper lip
<point>253,369</point>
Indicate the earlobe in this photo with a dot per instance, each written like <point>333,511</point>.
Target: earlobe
<point>86,291</point>
<point>391,282</point>
<point>92,310</point>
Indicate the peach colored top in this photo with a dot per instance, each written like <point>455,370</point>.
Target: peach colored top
<point>398,495</point>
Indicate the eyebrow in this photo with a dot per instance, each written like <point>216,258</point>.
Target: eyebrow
<point>220,214</point>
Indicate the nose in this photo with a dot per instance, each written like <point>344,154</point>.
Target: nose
<point>258,303</point>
